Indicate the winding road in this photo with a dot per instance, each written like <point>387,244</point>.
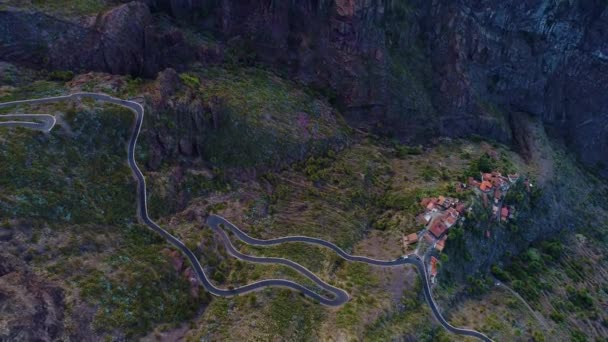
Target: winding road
<point>219,224</point>
<point>17,120</point>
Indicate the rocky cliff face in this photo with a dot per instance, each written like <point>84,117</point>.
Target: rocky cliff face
<point>365,54</point>
<point>123,40</point>
<point>545,58</point>
<point>414,68</point>
<point>31,307</point>
<point>411,69</point>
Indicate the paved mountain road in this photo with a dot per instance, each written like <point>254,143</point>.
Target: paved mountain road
<point>17,120</point>
<point>218,224</point>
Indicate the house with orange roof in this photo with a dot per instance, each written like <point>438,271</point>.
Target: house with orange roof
<point>449,220</point>
<point>485,186</point>
<point>434,262</point>
<point>441,200</point>
<point>432,205</point>
<point>440,245</point>
<point>452,212</point>
<point>425,201</point>
<point>409,239</point>
<point>412,238</point>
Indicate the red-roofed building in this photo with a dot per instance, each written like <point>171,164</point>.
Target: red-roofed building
<point>440,245</point>
<point>425,201</point>
<point>438,228</point>
<point>449,220</point>
<point>434,262</point>
<point>441,200</point>
<point>486,177</point>
<point>485,185</point>
<point>412,238</point>
<point>452,212</point>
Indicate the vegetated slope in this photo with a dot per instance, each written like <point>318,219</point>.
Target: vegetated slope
<point>76,265</point>
<point>411,69</point>
<point>381,191</point>
<point>239,118</point>
<point>363,198</point>
<point>560,275</point>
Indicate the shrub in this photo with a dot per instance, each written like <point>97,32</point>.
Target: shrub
<point>557,316</point>
<point>404,150</point>
<point>578,336</point>
<point>538,336</point>
<point>552,248</point>
<point>483,164</point>
<point>189,80</point>
<point>428,173</point>
<point>218,276</point>
<point>61,75</point>
<point>500,273</point>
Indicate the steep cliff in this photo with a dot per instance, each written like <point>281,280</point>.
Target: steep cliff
<point>545,58</point>
<point>127,39</point>
<point>411,69</point>
<point>414,68</point>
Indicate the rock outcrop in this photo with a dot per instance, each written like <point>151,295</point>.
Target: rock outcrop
<point>410,69</point>
<point>545,58</point>
<point>31,308</point>
<point>123,40</point>
<point>416,68</point>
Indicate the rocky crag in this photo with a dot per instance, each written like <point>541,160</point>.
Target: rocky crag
<point>409,69</point>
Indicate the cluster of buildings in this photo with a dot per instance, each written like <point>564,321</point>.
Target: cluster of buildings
<point>493,182</point>
<point>495,185</point>
<point>440,214</point>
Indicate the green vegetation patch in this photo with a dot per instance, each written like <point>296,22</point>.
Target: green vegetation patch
<point>65,7</point>
<point>294,318</point>
<point>77,178</point>
<point>34,89</point>
<point>142,290</point>
<point>263,119</point>
<point>331,196</point>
